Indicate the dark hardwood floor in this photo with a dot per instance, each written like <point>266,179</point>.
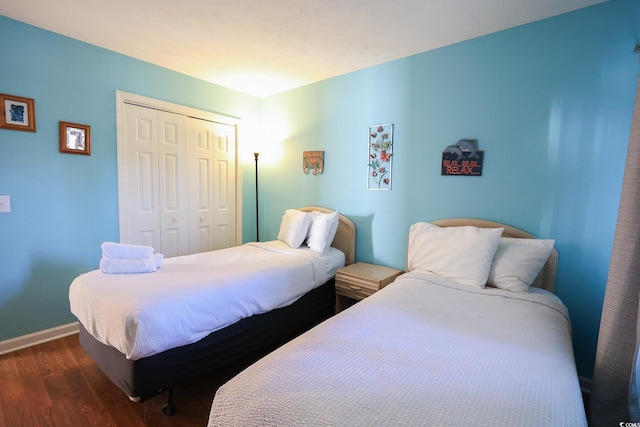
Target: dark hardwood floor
<point>57,384</point>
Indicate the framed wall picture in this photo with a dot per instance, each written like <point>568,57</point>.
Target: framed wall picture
<point>18,113</point>
<point>380,157</point>
<point>75,138</point>
<point>313,161</point>
<point>463,158</point>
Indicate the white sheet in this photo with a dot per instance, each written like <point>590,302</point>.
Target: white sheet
<point>423,351</point>
<point>194,295</point>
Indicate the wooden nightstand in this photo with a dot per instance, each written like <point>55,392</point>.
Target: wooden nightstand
<point>360,280</point>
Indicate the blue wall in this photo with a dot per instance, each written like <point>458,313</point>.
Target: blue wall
<point>550,104</point>
<point>64,206</point>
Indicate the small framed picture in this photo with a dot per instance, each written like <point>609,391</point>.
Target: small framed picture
<point>18,113</point>
<point>75,138</point>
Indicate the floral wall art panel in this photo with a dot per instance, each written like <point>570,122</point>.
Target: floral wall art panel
<point>380,157</point>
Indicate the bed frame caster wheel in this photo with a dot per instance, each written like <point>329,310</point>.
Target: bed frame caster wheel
<point>169,410</point>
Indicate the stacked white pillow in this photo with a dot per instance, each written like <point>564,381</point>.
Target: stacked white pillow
<point>322,230</point>
<point>294,227</point>
<point>463,254</point>
<point>518,262</point>
<point>477,256</point>
<point>316,228</point>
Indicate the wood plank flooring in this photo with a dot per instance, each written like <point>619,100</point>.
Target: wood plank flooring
<point>57,384</point>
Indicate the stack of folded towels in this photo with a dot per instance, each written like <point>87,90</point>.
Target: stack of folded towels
<point>118,258</point>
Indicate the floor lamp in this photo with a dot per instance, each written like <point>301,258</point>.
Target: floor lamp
<point>257,216</point>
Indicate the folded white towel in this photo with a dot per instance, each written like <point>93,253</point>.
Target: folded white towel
<point>125,250</point>
<point>128,266</point>
<point>157,259</point>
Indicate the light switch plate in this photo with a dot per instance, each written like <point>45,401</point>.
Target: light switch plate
<point>5,204</point>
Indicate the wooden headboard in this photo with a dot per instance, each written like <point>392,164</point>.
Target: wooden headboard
<point>345,239</point>
<point>547,277</point>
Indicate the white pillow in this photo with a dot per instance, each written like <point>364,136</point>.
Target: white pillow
<point>518,262</point>
<point>463,254</point>
<point>322,230</point>
<point>294,227</point>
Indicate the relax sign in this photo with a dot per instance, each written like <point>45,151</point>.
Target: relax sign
<point>462,158</point>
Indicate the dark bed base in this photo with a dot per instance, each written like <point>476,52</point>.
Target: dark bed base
<point>248,338</point>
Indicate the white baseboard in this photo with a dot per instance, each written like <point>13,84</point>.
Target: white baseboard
<point>18,343</point>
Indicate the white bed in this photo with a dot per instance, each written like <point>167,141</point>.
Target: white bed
<point>191,296</point>
<point>205,311</point>
<point>426,350</point>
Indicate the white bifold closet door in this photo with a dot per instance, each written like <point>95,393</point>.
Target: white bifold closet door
<point>179,177</point>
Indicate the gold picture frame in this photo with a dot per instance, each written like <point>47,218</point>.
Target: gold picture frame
<point>17,113</point>
<point>75,138</point>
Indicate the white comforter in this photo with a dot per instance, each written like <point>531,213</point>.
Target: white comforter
<point>194,295</point>
<point>424,351</point>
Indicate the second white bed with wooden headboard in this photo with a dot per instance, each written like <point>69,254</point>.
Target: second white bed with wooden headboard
<point>440,346</point>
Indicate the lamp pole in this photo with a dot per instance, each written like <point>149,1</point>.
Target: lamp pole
<point>257,216</point>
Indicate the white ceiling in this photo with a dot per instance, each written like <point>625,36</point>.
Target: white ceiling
<point>262,47</point>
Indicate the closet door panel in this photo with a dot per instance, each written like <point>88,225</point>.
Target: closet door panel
<point>225,185</point>
<point>202,214</point>
<point>141,176</point>
<point>174,189</point>
<point>201,185</point>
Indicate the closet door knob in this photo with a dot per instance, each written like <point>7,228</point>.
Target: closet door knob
<point>201,218</point>
<point>175,220</point>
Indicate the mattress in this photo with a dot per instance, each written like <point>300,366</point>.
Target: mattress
<point>422,351</point>
<point>191,296</point>
<point>234,346</point>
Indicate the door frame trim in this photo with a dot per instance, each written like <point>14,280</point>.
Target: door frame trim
<point>123,98</point>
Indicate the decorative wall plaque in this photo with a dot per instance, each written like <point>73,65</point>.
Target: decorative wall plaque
<point>462,158</point>
<point>380,157</point>
<point>313,161</point>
